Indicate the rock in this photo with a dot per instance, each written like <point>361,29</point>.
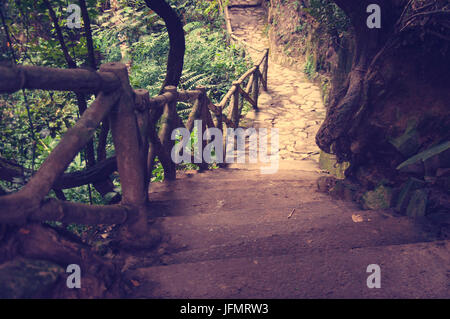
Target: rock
<point>303,86</point>
<point>343,190</point>
<point>301,135</point>
<point>315,96</point>
<point>325,183</point>
<point>328,163</point>
<point>379,198</point>
<point>299,124</point>
<point>296,99</point>
<point>28,278</point>
<point>284,125</point>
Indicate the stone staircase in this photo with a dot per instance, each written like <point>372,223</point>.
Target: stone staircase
<point>234,233</point>
<point>237,233</point>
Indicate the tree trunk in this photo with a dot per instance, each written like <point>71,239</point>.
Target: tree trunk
<point>177,42</point>
<point>394,103</point>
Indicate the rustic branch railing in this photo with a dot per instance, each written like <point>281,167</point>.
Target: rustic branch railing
<point>133,124</point>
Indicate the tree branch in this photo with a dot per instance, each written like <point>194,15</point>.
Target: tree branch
<point>88,33</point>
<point>177,41</point>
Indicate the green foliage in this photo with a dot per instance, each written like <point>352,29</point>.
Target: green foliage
<point>208,60</point>
<point>310,68</point>
<point>329,15</point>
<point>51,115</point>
<point>158,172</point>
<point>132,33</point>
<point>211,62</point>
<point>300,27</point>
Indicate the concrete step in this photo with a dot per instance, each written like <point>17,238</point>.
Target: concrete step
<point>240,179</point>
<point>193,240</point>
<point>418,270</point>
<point>283,165</point>
<point>232,189</point>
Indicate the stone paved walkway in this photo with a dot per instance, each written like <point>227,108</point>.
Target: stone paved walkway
<point>292,103</point>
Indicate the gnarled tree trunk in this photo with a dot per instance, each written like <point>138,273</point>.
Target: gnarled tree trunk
<point>394,103</point>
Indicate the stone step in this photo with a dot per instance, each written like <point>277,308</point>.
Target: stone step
<point>293,171</point>
<point>283,165</point>
<point>419,270</point>
<point>231,189</point>
<point>231,200</point>
<point>194,241</point>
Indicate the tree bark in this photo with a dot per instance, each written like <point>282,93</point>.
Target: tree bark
<point>333,134</point>
<point>177,41</point>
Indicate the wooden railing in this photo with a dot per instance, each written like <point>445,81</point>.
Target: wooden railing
<point>133,117</point>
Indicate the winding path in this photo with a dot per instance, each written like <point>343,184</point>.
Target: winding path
<point>292,104</point>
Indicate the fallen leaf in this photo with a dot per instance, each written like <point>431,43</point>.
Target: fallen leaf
<point>24,231</point>
<point>357,218</point>
<point>135,283</point>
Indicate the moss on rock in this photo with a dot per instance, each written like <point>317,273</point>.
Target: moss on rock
<point>379,198</point>
<point>327,162</point>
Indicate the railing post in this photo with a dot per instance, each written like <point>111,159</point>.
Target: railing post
<point>126,139</point>
<point>155,147</point>
<point>265,69</point>
<point>255,89</point>
<point>220,127</point>
<point>203,116</point>
<point>168,119</point>
<point>234,116</point>
<point>219,119</point>
<point>195,113</point>
<point>209,119</point>
<point>249,84</point>
<point>142,99</point>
